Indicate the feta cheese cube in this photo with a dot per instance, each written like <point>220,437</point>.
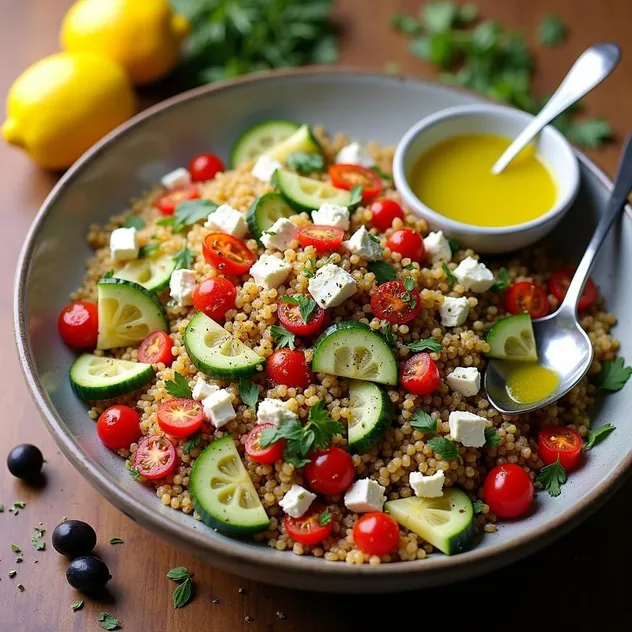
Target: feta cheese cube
<point>331,286</point>
<point>177,178</point>
<point>181,286</point>
<point>354,154</point>
<point>332,215</point>
<point>454,311</point>
<point>473,275</point>
<point>465,380</point>
<point>226,219</point>
<point>467,428</point>
<point>203,389</point>
<point>273,411</point>
<point>363,245</point>
<point>365,495</point>
<point>296,501</point>
<point>280,235</point>
<point>218,408</point>
<point>265,167</point>
<point>124,244</point>
<point>437,247</point>
<point>270,271</point>
<point>427,486</point>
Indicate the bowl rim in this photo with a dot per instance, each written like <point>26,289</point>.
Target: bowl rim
<point>227,550</point>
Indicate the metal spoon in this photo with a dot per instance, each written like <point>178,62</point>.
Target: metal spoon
<point>562,344</point>
<point>590,69</point>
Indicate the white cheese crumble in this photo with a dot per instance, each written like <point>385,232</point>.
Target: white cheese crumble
<point>124,244</point>
<point>437,247</point>
<point>332,215</point>
<point>265,167</point>
<point>177,178</point>
<point>269,271</point>
<point>226,219</point>
<point>363,245</point>
<point>354,154</point>
<point>473,275</point>
<point>467,428</point>
<point>280,235</point>
<point>273,411</point>
<point>181,286</point>
<point>465,380</point>
<point>454,311</point>
<point>218,408</point>
<point>331,286</point>
<point>427,486</point>
<point>203,389</point>
<point>296,501</point>
<point>365,495</point>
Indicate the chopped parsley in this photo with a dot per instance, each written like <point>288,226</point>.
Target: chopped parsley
<point>450,278</point>
<point>454,246</point>
<point>552,477</point>
<point>77,605</point>
<point>445,448</point>
<point>388,334</point>
<point>282,336</point>
<point>183,592</point>
<point>551,31</point>
<point>613,375</point>
<point>383,271</point>
<point>424,422</point>
<point>114,541</point>
<point>492,438</point>
<point>501,282</point>
<point>183,258</point>
<point>305,163</point>
<point>325,517</point>
<point>355,196</point>
<point>382,173</point>
<point>188,213</point>
<point>249,393</point>
<point>178,387</point>
<point>133,221</point>
<point>37,539</point>
<point>597,435</point>
<point>148,250</point>
<point>426,344</point>
<point>108,622</point>
<point>306,305</point>
<point>192,442</point>
<point>478,507</point>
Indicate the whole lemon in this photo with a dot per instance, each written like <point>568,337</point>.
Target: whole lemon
<point>64,103</point>
<point>143,36</point>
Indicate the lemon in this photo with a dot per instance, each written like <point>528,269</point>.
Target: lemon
<point>63,104</point>
<point>143,36</point>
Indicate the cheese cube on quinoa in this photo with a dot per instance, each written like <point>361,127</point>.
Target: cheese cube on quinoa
<point>203,389</point>
<point>331,286</point>
<point>465,380</point>
<point>218,408</point>
<point>265,167</point>
<point>473,275</point>
<point>365,495</point>
<point>270,271</point>
<point>467,428</point>
<point>124,244</point>
<point>427,486</point>
<point>273,411</point>
<point>296,501</point>
<point>354,154</point>
<point>177,178</point>
<point>332,215</point>
<point>280,235</point>
<point>454,311</point>
<point>181,286</point>
<point>437,247</point>
<point>226,219</point>
<point>363,245</point>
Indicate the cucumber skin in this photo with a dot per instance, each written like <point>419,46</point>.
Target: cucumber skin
<point>303,145</point>
<point>251,215</point>
<point>378,431</point>
<point>495,331</point>
<point>277,183</point>
<point>155,288</point>
<point>234,153</point>
<point>148,293</point>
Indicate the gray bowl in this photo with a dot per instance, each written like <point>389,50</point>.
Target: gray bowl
<point>131,159</point>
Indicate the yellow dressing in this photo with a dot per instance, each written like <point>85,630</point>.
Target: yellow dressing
<point>529,383</point>
<point>454,179</point>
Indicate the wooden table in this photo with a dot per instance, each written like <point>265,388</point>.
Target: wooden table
<point>578,580</point>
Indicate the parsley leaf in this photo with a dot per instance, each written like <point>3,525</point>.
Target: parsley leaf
<point>178,574</point>
<point>501,282</point>
<point>178,387</point>
<point>551,477</point>
<point>306,305</point>
<point>424,422</point>
<point>36,539</point>
<point>109,274</point>
<point>439,17</point>
<point>15,548</point>
<point>134,473</point>
<point>133,221</point>
<point>388,334</point>
<point>114,541</point>
<point>613,375</point>
<point>383,271</point>
<point>305,163</point>
<point>492,438</point>
<point>108,622</point>
<point>311,271</point>
<point>282,336</point>
<point>445,448</point>
<point>191,212</point>
<point>183,593</point>
<point>183,258</point>
<point>409,283</point>
<point>192,442</point>
<point>77,605</point>
<point>591,132</point>
<point>597,435</point>
<point>478,507</point>
<point>249,393</point>
<point>426,344</point>
<point>325,517</point>
<point>405,24</point>
<point>450,278</point>
<point>551,31</point>
<point>148,250</point>
<point>382,173</point>
<point>454,245</point>
<point>355,196</point>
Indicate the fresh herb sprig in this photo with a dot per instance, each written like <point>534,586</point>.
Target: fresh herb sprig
<point>178,387</point>
<point>305,163</point>
<point>249,393</point>
<point>183,592</point>
<point>614,375</point>
<point>502,281</point>
<point>445,448</point>
<point>187,214</point>
<point>492,438</point>
<point>282,336</point>
<point>425,344</point>
<point>597,435</point>
<point>183,258</point>
<point>450,278</point>
<point>108,622</point>
<point>424,422</point>
<point>383,271</point>
<point>306,305</point>
<point>552,477</point>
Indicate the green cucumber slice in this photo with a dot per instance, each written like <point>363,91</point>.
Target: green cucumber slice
<point>302,141</point>
<point>265,211</point>
<point>223,493</point>
<point>153,273</point>
<point>307,194</point>
<point>512,338</point>
<point>371,414</point>
<point>259,139</point>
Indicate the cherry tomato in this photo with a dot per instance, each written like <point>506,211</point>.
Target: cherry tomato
<point>155,457</point>
<point>562,442</point>
<point>118,427</point>
<point>330,471</point>
<point>290,317</point>
<point>348,176</point>
<point>376,533</point>
<point>156,348</point>
<point>214,297</point>
<point>419,375</point>
<point>408,243</point>
<point>527,297</point>
<point>180,417</point>
<point>391,301</point>
<point>78,324</point>
<point>227,253</point>
<point>508,490</point>
<point>259,454</point>
<point>307,529</point>
<point>385,212</point>
<point>289,367</point>
<point>166,202</point>
<point>205,167</point>
<point>558,286</point>
<point>323,238</point>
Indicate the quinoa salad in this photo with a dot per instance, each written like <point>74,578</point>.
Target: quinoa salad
<point>281,350</point>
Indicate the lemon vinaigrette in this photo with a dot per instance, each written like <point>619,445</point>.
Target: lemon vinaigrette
<point>454,179</point>
<point>529,383</point>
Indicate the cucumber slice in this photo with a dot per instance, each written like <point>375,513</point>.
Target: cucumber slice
<point>265,211</point>
<point>128,313</point>
<point>223,493</point>
<point>302,140</point>
<point>307,194</point>
<point>371,414</point>
<point>95,378</point>
<point>216,352</point>
<point>512,339</point>
<point>259,139</point>
<point>446,522</point>
<point>352,349</point>
<point>153,273</point>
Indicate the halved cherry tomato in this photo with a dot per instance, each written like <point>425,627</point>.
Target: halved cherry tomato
<point>408,243</point>
<point>527,297</point>
<point>562,442</point>
<point>156,348</point>
<point>289,367</point>
<point>323,238</point>
<point>227,253</point>
<point>385,212</point>
<point>180,417</point>
<point>118,427</point>
<point>214,297</point>
<point>508,490</point>
<point>376,533</point>
<point>419,375</point>
<point>259,454</point>
<point>558,286</point>
<point>391,301</point>
<point>78,324</point>
<point>155,457</point>
<point>290,317</point>
<point>348,176</point>
<point>166,202</point>
<point>308,528</point>
<point>330,471</point>
<point>205,167</point>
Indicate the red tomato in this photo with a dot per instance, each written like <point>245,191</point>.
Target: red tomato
<point>214,297</point>
<point>289,367</point>
<point>323,238</point>
<point>385,212</point>
<point>155,457</point>
<point>508,490</point>
<point>408,243</point>
<point>558,286</point>
<point>256,452</point>
<point>156,348</point>
<point>348,176</point>
<point>290,317</point>
<point>78,324</point>
<point>527,297</point>
<point>180,417</point>
<point>330,471</point>
<point>118,427</point>
<point>376,533</point>
<point>391,301</point>
<point>419,375</point>
<point>205,167</point>
<point>307,529</point>
<point>227,253</point>
<point>166,202</point>
<point>562,442</point>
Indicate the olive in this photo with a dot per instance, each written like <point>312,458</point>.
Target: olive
<point>88,574</point>
<point>25,461</point>
<point>73,538</point>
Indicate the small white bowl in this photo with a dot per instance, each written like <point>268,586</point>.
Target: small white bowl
<point>552,149</point>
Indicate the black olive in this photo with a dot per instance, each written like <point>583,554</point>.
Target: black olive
<point>73,538</point>
<point>88,574</point>
<point>25,461</point>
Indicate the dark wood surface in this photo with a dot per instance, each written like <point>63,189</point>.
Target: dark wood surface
<point>581,581</point>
